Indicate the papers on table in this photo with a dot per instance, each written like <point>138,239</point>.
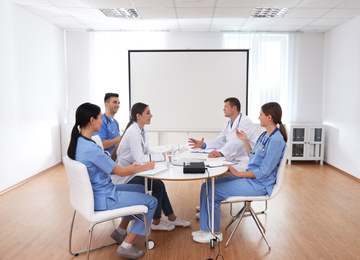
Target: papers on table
<point>209,162</point>
<point>217,163</point>
<point>199,150</point>
<point>157,169</point>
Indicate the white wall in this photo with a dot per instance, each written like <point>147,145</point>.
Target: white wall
<point>32,80</point>
<point>305,103</point>
<point>342,95</point>
<point>78,72</point>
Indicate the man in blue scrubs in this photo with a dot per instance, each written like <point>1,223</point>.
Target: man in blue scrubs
<point>110,131</point>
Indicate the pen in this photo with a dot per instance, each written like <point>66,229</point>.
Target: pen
<point>193,141</point>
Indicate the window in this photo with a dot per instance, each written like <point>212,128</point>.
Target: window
<point>268,68</point>
<point>109,65</point>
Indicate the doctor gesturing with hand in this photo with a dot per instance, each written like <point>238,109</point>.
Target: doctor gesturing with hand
<point>227,144</point>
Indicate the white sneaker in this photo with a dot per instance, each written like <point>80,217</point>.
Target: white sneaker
<point>197,208</point>
<point>206,236</point>
<point>197,215</point>
<point>163,225</point>
<point>197,233</point>
<point>178,222</point>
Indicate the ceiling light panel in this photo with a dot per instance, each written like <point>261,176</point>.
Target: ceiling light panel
<point>269,12</point>
<point>121,12</point>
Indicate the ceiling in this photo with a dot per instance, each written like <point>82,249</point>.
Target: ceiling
<point>195,15</point>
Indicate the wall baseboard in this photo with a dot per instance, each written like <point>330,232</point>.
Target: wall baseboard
<point>342,172</point>
<point>29,179</point>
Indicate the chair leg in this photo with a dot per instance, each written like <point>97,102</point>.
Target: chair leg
<point>89,240</point>
<point>146,233</point>
<point>70,236</point>
<point>235,217</point>
<point>260,226</point>
<point>146,236</point>
<point>258,212</point>
<point>247,208</point>
<point>240,216</point>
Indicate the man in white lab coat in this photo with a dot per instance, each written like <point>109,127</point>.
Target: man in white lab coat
<point>227,144</point>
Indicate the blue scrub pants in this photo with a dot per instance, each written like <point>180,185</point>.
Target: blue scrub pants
<point>159,192</point>
<point>130,195</point>
<point>224,188</point>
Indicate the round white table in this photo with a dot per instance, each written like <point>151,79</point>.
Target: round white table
<point>175,173</point>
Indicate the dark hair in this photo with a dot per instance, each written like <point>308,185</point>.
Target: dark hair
<point>110,95</point>
<point>233,101</point>
<point>274,109</point>
<point>137,108</point>
<point>82,117</point>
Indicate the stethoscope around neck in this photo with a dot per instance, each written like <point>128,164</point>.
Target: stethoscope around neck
<point>263,138</point>
<point>112,130</point>
<point>229,122</point>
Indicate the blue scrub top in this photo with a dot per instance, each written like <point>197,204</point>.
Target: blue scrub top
<point>265,163</point>
<point>108,130</point>
<point>99,167</point>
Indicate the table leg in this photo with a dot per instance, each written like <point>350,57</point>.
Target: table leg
<point>147,191</point>
<point>212,201</point>
<point>146,185</point>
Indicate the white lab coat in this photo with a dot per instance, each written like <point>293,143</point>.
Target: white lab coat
<point>230,145</point>
<point>134,149</point>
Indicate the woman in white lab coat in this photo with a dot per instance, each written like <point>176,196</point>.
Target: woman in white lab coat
<point>134,148</point>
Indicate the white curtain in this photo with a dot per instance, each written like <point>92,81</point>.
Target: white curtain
<point>268,68</point>
<point>109,64</point>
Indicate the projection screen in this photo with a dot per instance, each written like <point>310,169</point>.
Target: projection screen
<point>186,89</point>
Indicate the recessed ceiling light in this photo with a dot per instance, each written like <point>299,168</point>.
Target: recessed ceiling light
<point>121,12</point>
<point>269,12</point>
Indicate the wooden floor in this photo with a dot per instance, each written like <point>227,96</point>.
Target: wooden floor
<point>315,216</point>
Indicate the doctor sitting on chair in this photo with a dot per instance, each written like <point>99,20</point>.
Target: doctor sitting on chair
<point>227,144</point>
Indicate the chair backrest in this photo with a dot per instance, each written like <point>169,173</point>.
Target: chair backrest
<point>280,174</point>
<point>97,140</point>
<point>81,193</point>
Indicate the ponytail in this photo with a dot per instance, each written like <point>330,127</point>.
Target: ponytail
<point>75,134</point>
<point>82,117</point>
<point>283,131</point>
<point>274,109</point>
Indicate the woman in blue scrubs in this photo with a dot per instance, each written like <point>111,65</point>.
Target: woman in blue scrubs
<point>107,195</point>
<point>259,177</point>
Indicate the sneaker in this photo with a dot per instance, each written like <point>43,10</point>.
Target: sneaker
<point>197,233</point>
<point>132,252</point>
<point>163,225</point>
<point>197,208</point>
<point>119,238</point>
<point>197,215</point>
<point>205,237</point>
<point>178,222</point>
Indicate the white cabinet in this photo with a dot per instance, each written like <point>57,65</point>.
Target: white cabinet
<point>306,142</point>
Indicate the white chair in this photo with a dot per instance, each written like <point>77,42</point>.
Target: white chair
<point>247,202</point>
<point>97,140</point>
<point>82,200</point>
